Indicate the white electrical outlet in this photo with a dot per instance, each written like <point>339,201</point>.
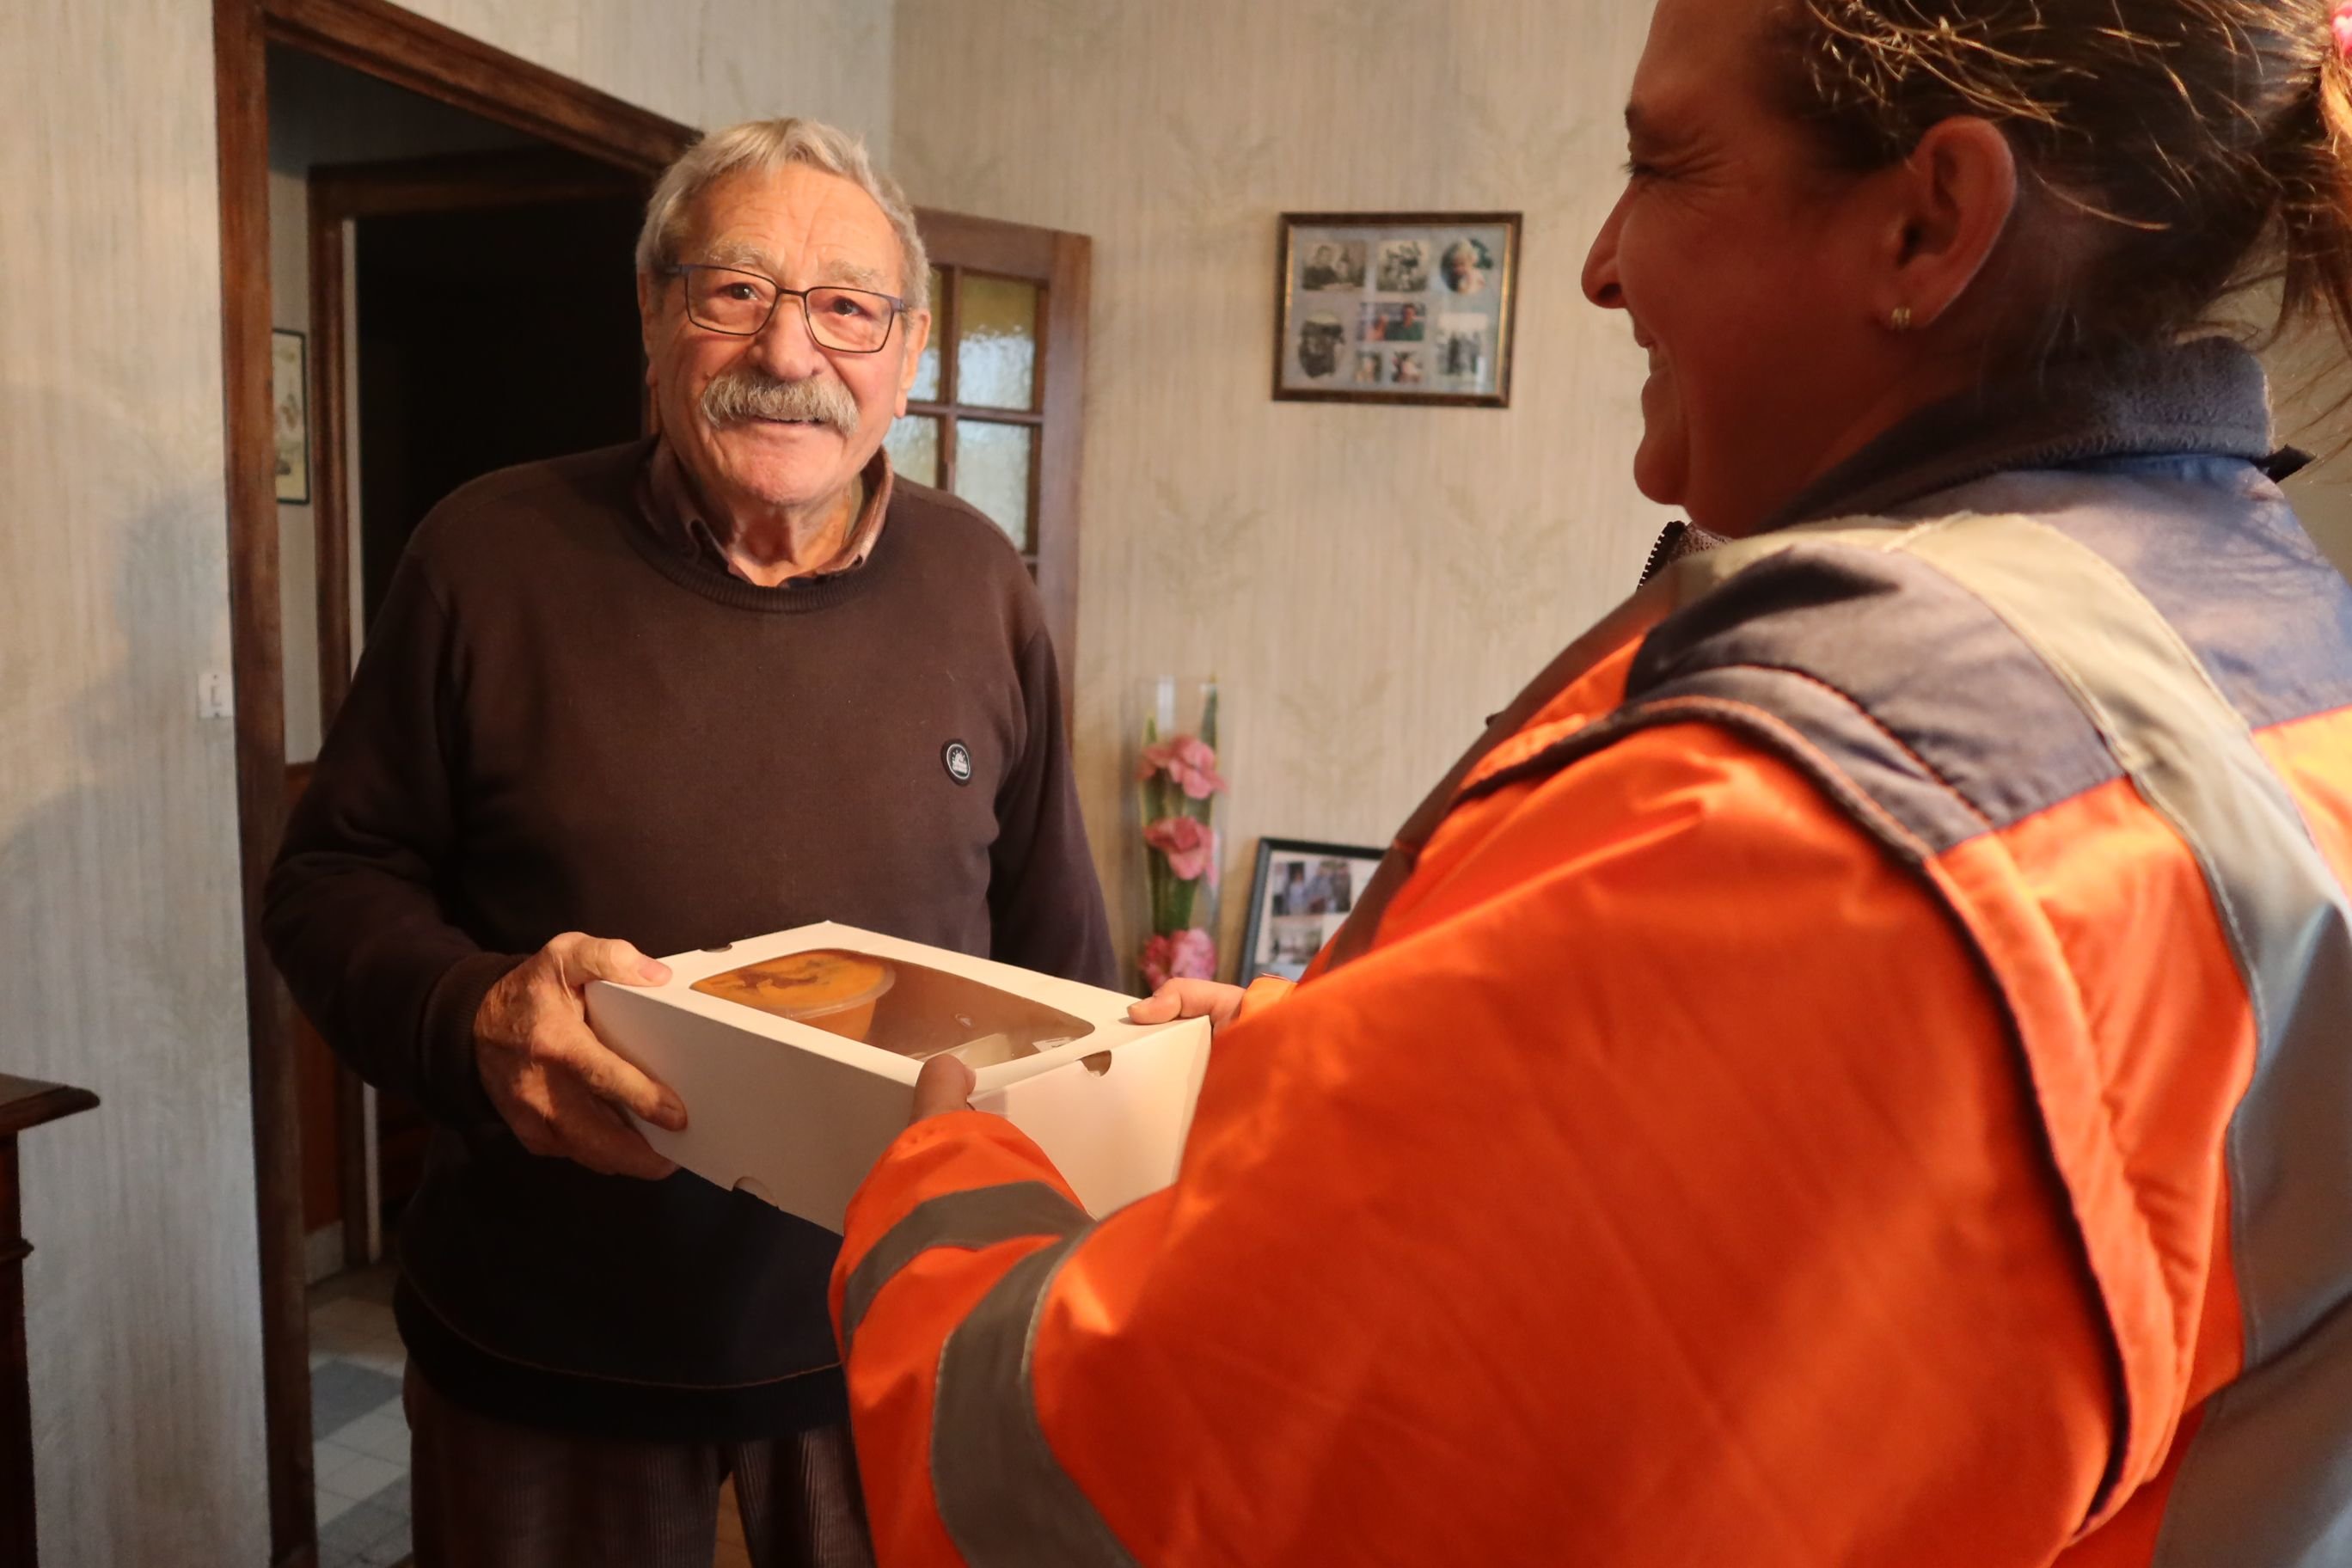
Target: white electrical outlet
<point>216,698</point>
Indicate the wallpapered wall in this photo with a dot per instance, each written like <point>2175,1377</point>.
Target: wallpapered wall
<point>1370,581</point>
<point>705,62</point>
<point>118,850</point>
<point>2310,385</point>
<point>118,859</point>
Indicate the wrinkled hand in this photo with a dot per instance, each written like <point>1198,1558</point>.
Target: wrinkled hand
<point>1208,999</point>
<point>559,1088</point>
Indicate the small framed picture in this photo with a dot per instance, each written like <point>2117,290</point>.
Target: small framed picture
<point>1301,893</point>
<point>1397,308</point>
<point>289,413</point>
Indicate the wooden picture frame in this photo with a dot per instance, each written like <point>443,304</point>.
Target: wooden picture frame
<point>1321,881</point>
<point>289,413</point>
<point>1396,308</point>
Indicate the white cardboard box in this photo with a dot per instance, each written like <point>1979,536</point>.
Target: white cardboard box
<point>795,1115</point>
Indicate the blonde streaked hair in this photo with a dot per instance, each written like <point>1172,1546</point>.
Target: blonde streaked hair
<point>765,146</point>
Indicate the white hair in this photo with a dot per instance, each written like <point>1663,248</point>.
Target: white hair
<point>765,146</point>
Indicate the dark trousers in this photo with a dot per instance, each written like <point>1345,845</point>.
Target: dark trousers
<point>489,1494</point>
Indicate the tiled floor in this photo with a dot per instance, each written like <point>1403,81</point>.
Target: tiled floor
<point>360,1439</point>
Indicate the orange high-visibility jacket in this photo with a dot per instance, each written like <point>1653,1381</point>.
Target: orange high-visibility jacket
<point>1862,1077</point>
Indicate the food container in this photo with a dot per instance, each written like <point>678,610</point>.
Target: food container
<point>796,1054</point>
<point>836,990</point>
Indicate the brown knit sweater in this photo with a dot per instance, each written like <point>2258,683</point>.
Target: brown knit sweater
<point>559,724</point>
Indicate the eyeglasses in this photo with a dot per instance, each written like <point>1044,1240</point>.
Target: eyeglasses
<point>729,299</point>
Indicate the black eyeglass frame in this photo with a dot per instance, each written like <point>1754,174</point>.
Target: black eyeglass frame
<point>680,269</point>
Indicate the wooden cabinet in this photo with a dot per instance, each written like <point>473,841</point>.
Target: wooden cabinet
<point>24,1104</point>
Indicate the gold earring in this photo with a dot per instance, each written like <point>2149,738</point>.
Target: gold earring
<point>1901,321</point>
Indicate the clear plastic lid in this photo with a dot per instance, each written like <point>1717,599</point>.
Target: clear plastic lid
<point>910,1008</point>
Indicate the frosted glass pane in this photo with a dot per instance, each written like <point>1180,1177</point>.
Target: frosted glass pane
<point>914,447</point>
<point>996,348</point>
<point>991,471</point>
<point>927,369</point>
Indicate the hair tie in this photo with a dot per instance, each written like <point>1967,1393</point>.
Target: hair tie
<point>2342,22</point>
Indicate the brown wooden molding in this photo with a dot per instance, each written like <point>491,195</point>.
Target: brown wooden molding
<point>1060,443</point>
<point>330,417</point>
<point>440,62</point>
<point>256,660</point>
<point>993,416</point>
<point>456,181</point>
<point>983,244</point>
<point>426,58</point>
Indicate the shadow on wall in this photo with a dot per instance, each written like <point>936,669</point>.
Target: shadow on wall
<point>119,908</point>
<point>2311,390</point>
<point>2322,496</point>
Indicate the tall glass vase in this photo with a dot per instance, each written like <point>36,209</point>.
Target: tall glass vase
<point>1179,776</point>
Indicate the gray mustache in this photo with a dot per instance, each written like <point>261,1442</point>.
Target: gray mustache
<point>740,392</point>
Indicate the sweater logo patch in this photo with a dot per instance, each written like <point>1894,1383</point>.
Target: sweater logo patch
<point>957,756</point>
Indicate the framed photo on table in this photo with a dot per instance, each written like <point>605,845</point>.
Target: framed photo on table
<point>1397,308</point>
<point>1301,893</point>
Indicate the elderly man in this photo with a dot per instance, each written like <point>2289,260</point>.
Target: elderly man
<point>732,678</point>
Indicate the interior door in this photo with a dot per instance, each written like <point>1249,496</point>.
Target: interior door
<point>995,411</point>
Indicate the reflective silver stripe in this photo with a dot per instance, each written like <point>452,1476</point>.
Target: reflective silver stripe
<point>971,1219</point>
<point>1694,577</point>
<point>1004,1498</point>
<point>2268,1480</point>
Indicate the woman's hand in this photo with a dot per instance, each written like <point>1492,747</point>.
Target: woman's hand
<point>1208,999</point>
<point>945,1083</point>
<point>944,1086</point>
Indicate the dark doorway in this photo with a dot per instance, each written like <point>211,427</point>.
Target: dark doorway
<point>492,320</point>
<point>487,337</point>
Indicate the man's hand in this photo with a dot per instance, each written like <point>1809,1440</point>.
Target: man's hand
<point>1208,999</point>
<point>559,1086</point>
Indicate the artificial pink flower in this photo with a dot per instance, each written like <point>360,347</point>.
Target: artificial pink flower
<point>1189,761</point>
<point>1187,955</point>
<point>1194,956</point>
<point>1154,962</point>
<point>1190,846</point>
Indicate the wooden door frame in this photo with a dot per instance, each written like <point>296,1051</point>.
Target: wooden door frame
<point>399,46</point>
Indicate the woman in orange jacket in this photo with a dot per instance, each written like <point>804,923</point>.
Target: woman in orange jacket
<point>1857,1067</point>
